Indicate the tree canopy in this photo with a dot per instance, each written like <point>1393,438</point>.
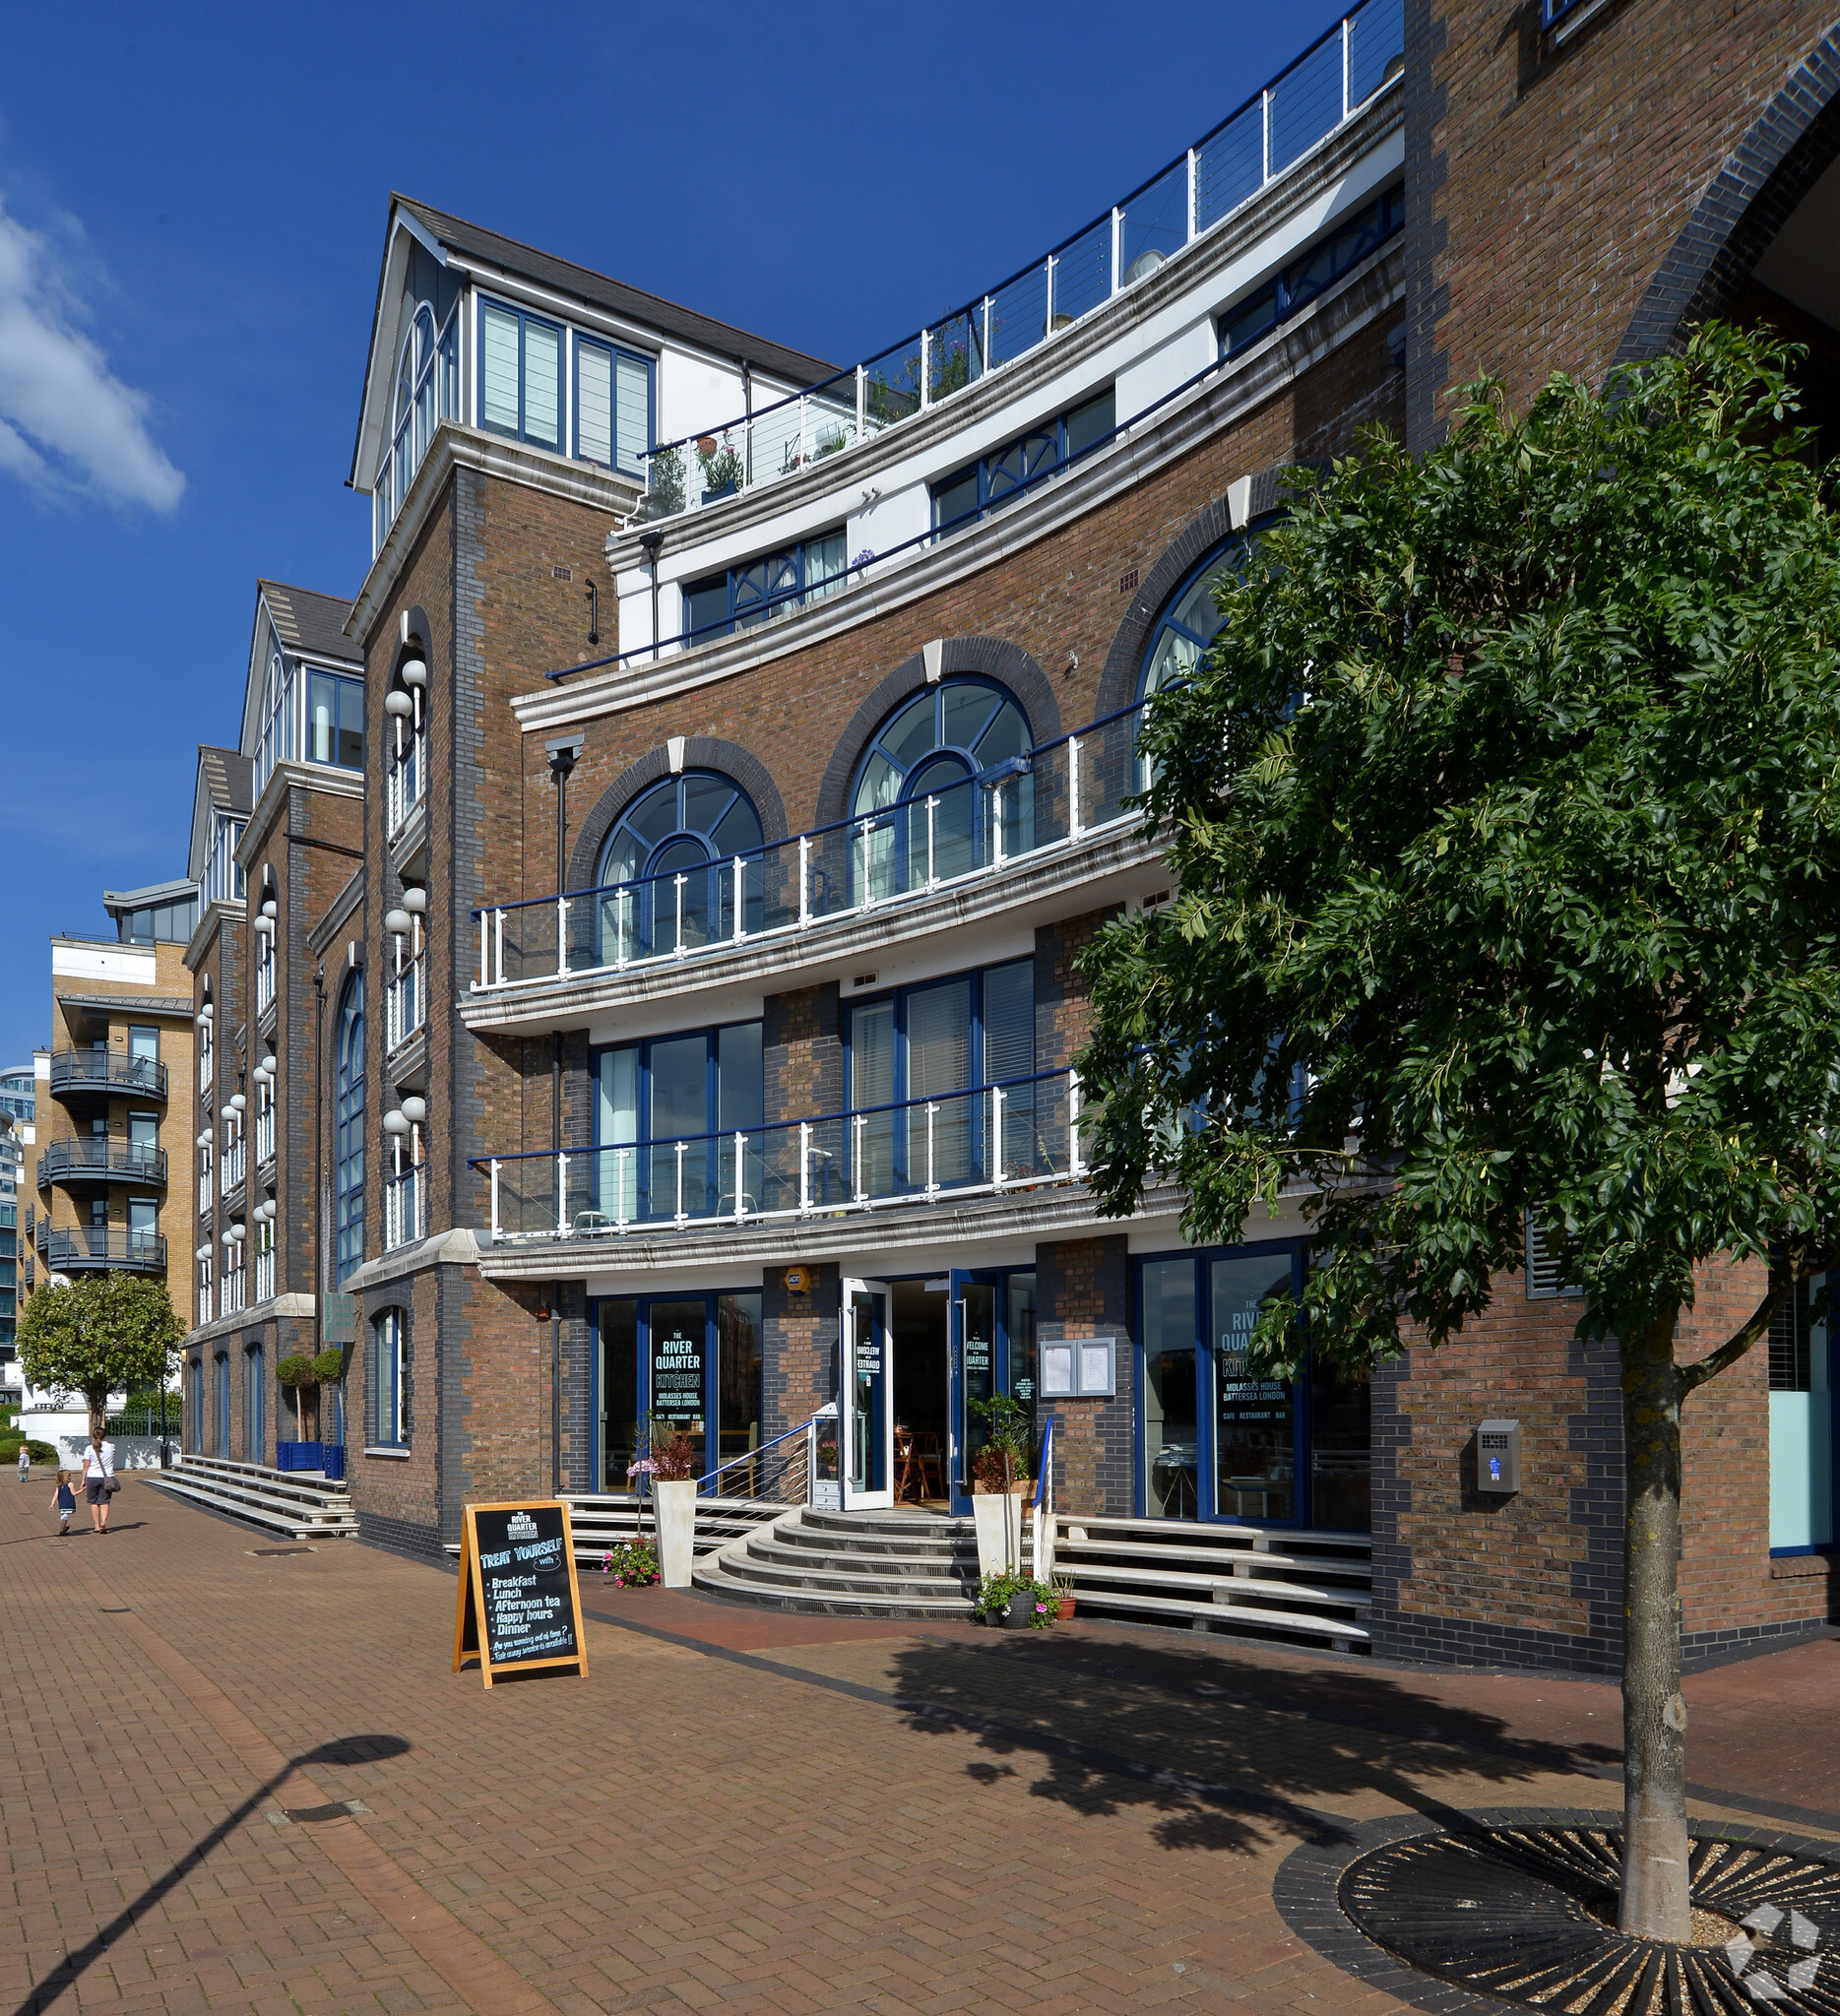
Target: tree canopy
<point>1504,812</point>
<point>106,1333</point>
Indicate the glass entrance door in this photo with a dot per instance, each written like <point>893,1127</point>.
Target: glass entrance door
<point>867,1395</point>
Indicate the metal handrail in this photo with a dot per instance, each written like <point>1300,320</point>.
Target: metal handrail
<point>754,1455</point>
<point>1043,1503</point>
<point>69,1068</point>
<point>106,1246</point>
<point>851,822</point>
<point>130,1161</point>
<point>483,1162</point>
<point>1261,97</point>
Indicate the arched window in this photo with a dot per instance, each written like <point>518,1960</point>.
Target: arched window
<point>668,868</point>
<point>1190,621</point>
<point>386,1411</point>
<point>427,391</point>
<point>929,786</point>
<point>349,1111</point>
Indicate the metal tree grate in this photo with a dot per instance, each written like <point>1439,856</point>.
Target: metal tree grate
<point>1528,1914</point>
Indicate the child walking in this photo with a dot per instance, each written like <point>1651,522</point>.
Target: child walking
<point>65,1500</point>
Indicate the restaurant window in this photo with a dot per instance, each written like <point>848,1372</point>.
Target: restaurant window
<point>1801,1423</point>
<point>682,1364</point>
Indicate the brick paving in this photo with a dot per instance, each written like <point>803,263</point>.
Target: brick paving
<point>737,1809</point>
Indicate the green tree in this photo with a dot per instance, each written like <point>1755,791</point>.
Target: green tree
<point>1503,815</point>
<point>98,1336</point>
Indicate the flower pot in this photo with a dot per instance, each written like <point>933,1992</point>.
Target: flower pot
<point>674,1502</point>
<point>997,1516</point>
<point>1063,1608</point>
<point>1019,1613</point>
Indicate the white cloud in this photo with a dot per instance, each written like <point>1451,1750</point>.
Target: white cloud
<point>66,420</point>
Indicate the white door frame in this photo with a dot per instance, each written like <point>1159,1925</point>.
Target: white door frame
<point>851,1288</point>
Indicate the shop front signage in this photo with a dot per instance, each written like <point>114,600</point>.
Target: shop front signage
<point>519,1607</point>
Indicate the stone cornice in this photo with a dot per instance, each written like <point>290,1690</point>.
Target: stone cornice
<point>286,777</point>
<point>256,1312</point>
<point>454,447</point>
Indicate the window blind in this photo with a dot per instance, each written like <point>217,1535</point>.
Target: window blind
<point>593,403</point>
<point>634,413</point>
<point>543,385</point>
<point>1545,1264</point>
<point>1009,1022</point>
<point>499,370</point>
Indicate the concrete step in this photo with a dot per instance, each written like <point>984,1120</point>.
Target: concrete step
<point>715,1573</point>
<point>870,1580</point>
<point>1226,1560</point>
<point>784,1551</point>
<point>905,1526</point>
<point>255,1508</point>
<point>893,1546</point>
<point>278,1484</point>
<point>1235,1588</point>
<point>1265,1623</point>
<point>1314,1543</point>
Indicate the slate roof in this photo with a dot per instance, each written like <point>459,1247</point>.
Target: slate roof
<point>230,777</point>
<point>310,625</point>
<point>616,296</point>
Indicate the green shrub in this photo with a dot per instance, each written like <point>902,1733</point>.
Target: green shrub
<point>329,1366</point>
<point>297,1370</point>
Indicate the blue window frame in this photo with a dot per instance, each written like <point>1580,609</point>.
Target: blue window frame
<point>349,1141</point>
<point>998,479</point>
<point>612,406</point>
<point>1306,276</point>
<point>804,572</point>
<point>675,841</point>
<point>683,1362</point>
<point>1805,1422</point>
<point>919,1064</point>
<point>666,1112</point>
<point>1189,619</point>
<point>1216,1443</point>
<point>520,375</point>
<point>949,745</point>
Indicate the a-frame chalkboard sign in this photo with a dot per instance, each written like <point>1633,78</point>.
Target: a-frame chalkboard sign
<point>519,1608</point>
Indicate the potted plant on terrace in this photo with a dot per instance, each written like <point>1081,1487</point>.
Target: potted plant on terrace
<point>999,1477</point>
<point>633,1564</point>
<point>671,1464</point>
<point>1015,1602</point>
<point>295,1375</point>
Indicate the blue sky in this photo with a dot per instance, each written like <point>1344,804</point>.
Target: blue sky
<point>192,204</point>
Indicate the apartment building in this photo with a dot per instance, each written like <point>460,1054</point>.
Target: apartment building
<point>684,975</point>
<point>277,834</point>
<point>109,1162</point>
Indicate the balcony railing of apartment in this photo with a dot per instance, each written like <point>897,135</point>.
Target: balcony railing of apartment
<point>231,1292</point>
<point>230,1169</point>
<point>405,996</point>
<point>107,1071</point>
<point>207,1052</point>
<point>203,1303</point>
<point>1020,1134</point>
<point>206,1188</point>
<point>1019,811</point>
<point>265,1130</point>
<point>403,1203</point>
<point>264,1274</point>
<point>1260,140</point>
<point>95,1245</point>
<point>406,781</point>
<point>265,974</point>
<point>102,1160</point>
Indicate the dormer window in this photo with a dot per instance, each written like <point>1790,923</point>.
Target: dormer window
<point>520,375</point>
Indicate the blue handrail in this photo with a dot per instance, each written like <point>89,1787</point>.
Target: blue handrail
<point>754,1455</point>
<point>1042,1469</point>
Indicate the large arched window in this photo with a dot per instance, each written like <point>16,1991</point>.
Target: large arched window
<point>427,391</point>
<point>937,777</point>
<point>667,869</point>
<point>349,1146</point>
<point>1190,621</point>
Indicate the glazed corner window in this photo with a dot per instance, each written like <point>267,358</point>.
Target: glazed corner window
<point>1001,477</point>
<point>336,720</point>
<point>388,1425</point>
<point>1305,278</point>
<point>613,407</point>
<point>1802,1423</point>
<point>520,375</point>
<point>803,573</point>
<point>223,877</point>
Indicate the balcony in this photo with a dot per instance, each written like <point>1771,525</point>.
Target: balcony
<point>1019,1135</point>
<point>1260,141</point>
<point>101,1247</point>
<point>82,1072</point>
<point>264,1132</point>
<point>405,1004</point>
<point>405,782</point>
<point>1054,803</point>
<point>404,1205</point>
<point>101,1159</point>
<point>231,1167</point>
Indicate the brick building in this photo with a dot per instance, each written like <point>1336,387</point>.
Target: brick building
<point>743,744</point>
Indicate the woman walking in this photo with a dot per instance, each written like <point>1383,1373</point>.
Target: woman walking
<point>98,1480</point>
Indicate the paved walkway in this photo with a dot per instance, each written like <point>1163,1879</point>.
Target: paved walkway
<point>735,1808</point>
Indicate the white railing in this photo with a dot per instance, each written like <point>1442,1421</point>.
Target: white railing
<point>206,1055</point>
<point>1057,798</point>
<point>403,1205</point>
<point>405,999</point>
<point>1271,130</point>
<point>1023,1134</point>
<point>405,782</point>
<point>204,1192</point>
<point>265,971</point>
<point>204,1302</point>
<point>265,1125</point>
<point>231,1165</point>
<point>265,1273</point>
<point>230,1295</point>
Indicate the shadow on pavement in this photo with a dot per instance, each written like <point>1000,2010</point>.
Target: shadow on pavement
<point>1230,1755</point>
<point>361,1750</point>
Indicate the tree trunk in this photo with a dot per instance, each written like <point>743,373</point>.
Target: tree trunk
<point>98,1413</point>
<point>1655,1904</point>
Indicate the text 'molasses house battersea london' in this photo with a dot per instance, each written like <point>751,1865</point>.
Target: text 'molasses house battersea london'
<point>637,977</point>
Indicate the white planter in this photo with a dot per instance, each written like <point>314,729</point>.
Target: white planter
<point>674,1502</point>
<point>998,1519</point>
